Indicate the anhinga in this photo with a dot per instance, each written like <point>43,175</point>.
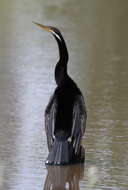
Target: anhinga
<point>65,114</point>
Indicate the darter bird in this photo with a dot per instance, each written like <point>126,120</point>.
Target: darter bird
<point>65,114</point>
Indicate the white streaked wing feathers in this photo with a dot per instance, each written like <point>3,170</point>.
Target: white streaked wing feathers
<point>79,122</point>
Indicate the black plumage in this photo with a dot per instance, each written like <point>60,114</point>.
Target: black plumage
<point>65,114</point>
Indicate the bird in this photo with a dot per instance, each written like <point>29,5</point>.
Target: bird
<point>65,114</point>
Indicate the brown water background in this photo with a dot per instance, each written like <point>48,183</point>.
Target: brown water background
<point>96,32</point>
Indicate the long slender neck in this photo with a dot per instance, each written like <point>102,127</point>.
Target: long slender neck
<point>63,52</point>
<point>61,75</point>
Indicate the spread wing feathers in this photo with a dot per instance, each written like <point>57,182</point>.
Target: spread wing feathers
<point>50,115</point>
<point>79,123</point>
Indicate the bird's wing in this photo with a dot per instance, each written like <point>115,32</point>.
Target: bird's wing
<point>50,114</point>
<point>79,122</point>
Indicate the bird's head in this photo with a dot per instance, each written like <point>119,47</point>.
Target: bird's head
<point>56,33</point>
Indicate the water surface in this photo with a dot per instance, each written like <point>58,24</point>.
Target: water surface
<point>96,36</point>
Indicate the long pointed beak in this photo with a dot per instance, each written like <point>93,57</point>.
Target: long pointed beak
<point>46,28</point>
<point>49,29</point>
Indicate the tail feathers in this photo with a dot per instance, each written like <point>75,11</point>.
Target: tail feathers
<point>61,153</point>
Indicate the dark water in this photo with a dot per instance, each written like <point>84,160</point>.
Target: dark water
<point>97,36</point>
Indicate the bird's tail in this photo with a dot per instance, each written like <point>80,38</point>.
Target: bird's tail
<point>61,154</point>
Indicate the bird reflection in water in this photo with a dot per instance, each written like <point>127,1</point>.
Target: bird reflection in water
<point>64,177</point>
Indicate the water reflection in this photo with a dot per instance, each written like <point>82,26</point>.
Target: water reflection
<point>64,178</point>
